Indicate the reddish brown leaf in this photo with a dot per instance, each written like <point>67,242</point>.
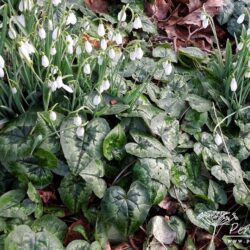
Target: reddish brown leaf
<point>47,196</point>
<point>121,246</point>
<point>170,205</point>
<point>99,6</point>
<point>159,9</point>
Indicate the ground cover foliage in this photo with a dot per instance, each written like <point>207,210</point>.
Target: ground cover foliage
<point>111,140</point>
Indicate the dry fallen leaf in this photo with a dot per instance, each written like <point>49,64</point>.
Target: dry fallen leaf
<point>99,6</point>
<point>159,9</point>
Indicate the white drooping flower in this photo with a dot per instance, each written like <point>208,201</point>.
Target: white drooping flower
<point>12,33</point>
<point>167,67</point>
<point>52,115</point>
<point>40,3</point>
<point>54,70</point>
<point>110,35</point>
<point>2,62</point>
<point>138,53</point>
<point>60,84</point>
<point>88,47</point>
<point>19,20</point>
<point>56,2</point>
<point>105,85</point>
<point>132,55</point>
<point>233,85</point>
<point>55,33</point>
<point>86,25</point>
<point>50,25</point>
<point>70,49</point>
<point>78,50</point>
<point>101,30</point>
<point>218,139</point>
<point>205,23</point>
<point>96,100</point>
<point>122,16</point>
<point>241,19</point>
<point>1,73</point>
<point>45,61</point>
<point>71,19</point>
<point>87,69</point>
<point>69,40</point>
<point>203,16</point>
<point>80,132</point>
<point>77,120</point>
<point>13,90</point>
<point>240,46</point>
<point>104,44</point>
<point>100,60</point>
<point>25,5</point>
<point>247,74</point>
<point>25,50</point>
<point>112,53</point>
<point>137,24</point>
<point>42,33</point>
<point>53,51</point>
<point>118,38</point>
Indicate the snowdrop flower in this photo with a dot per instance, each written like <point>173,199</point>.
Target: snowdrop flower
<point>118,55</point>
<point>205,23</point>
<point>105,85</point>
<point>138,53</point>
<point>132,56</point>
<point>56,2</point>
<point>110,35</point>
<point>86,26</point>
<point>86,69</point>
<point>69,40</point>
<point>122,16</point>
<point>137,24</point>
<point>71,19</point>
<point>54,70</point>
<point>218,139</point>
<point>203,16</point>
<point>118,38</point>
<point>80,132</point>
<point>25,5</point>
<point>1,73</point>
<point>52,85</point>
<point>12,33</point>
<point>100,60</point>
<point>19,20</point>
<point>45,61</point>
<point>241,18</point>
<point>42,33</point>
<point>60,84</point>
<point>55,33</point>
<point>77,120</point>
<point>50,25</point>
<point>13,90</point>
<point>101,30</point>
<point>2,62</point>
<point>112,54</point>
<point>240,46</point>
<point>103,44</point>
<point>53,51</point>
<point>248,31</point>
<point>233,85</point>
<point>88,47</point>
<point>78,50</point>
<point>97,100</point>
<point>167,67</point>
<point>52,115</point>
<point>40,3</point>
<point>247,74</point>
<point>25,50</point>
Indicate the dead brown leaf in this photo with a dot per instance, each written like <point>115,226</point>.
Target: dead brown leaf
<point>99,6</point>
<point>121,246</point>
<point>159,9</point>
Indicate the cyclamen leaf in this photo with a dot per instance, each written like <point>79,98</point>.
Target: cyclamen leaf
<point>146,146</point>
<point>125,211</point>
<point>78,245</point>
<point>198,103</point>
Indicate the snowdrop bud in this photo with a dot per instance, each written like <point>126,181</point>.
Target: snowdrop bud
<point>118,38</point>
<point>45,61</point>
<point>132,56</point>
<point>86,69</point>
<point>77,120</point>
<point>42,33</point>
<point>241,19</point>
<point>53,51</point>
<point>78,50</point>
<point>50,25</point>
<point>248,63</point>
<point>137,24</point>
<point>56,2</point>
<point>80,132</point>
<point>247,74</point>
<point>240,46</point>
<point>13,90</point>
<point>248,31</point>
<point>105,84</point>
<point>54,70</point>
<point>218,140</point>
<point>139,53</point>
<point>101,30</point>
<point>100,60</point>
<point>2,63</point>
<point>122,16</point>
<point>203,16</point>
<point>86,26</point>
<point>96,100</point>
<point>70,49</point>
<point>167,67</point>
<point>40,3</point>
<point>52,116</point>
<point>233,85</point>
<point>25,50</point>
<point>12,33</point>
<point>20,20</point>
<point>69,40</point>
<point>71,19</point>
<point>205,23</point>
<point>112,54</point>
<point>88,47</point>
<point>1,73</point>
<point>110,35</point>
<point>25,5</point>
<point>55,33</point>
<point>103,44</point>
